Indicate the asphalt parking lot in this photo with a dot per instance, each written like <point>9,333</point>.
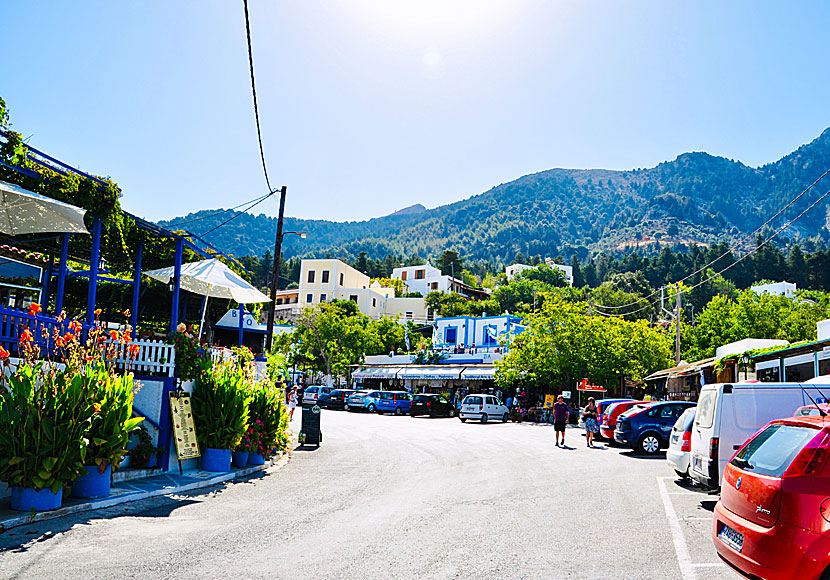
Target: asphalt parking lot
<point>401,497</point>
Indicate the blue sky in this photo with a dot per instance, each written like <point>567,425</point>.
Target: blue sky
<point>370,106</point>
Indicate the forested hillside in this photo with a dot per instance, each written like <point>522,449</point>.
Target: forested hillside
<point>696,197</point>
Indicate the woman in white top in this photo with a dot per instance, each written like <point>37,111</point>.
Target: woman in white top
<point>292,404</point>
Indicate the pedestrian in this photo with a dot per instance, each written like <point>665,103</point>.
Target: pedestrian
<point>590,414</point>
<point>560,418</point>
<point>292,404</point>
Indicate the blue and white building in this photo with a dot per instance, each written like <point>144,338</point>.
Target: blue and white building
<point>472,333</point>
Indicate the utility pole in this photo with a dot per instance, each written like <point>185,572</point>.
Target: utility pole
<point>275,276</point>
<point>590,307</point>
<point>677,324</point>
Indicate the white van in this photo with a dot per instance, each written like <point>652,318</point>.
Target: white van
<point>483,407</point>
<point>729,414</point>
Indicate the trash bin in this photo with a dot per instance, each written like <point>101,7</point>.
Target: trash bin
<point>310,433</point>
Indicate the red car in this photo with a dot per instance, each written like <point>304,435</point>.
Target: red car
<point>773,517</point>
<point>609,417</point>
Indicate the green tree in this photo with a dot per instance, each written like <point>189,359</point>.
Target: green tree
<point>450,262</point>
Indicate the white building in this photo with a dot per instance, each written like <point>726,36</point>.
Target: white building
<point>329,279</point>
<point>786,289</point>
<point>475,333</point>
<point>426,278</point>
<point>514,269</point>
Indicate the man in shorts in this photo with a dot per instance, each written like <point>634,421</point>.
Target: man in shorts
<point>560,418</point>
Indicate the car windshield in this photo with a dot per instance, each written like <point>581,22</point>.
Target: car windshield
<point>772,451</point>
<point>684,423</point>
<point>706,409</point>
<point>472,401</point>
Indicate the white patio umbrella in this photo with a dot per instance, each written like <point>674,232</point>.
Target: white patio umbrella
<point>212,279</point>
<point>26,212</point>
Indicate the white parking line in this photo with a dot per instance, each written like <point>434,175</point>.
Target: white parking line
<point>683,560</point>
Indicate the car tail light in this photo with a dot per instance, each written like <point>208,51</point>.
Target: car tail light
<point>714,442</point>
<point>811,459</point>
<point>429,403</point>
<point>686,445</point>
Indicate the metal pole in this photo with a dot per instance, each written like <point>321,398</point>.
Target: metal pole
<point>61,275</point>
<point>677,327</point>
<point>94,258</point>
<point>241,322</point>
<point>269,332</point>
<point>136,285</point>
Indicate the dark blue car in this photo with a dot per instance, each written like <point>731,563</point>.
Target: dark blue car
<point>648,429</point>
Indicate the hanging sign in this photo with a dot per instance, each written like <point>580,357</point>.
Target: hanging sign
<point>184,428</point>
<point>549,400</point>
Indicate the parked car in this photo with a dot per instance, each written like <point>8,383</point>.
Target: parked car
<point>728,414</point>
<point>680,443</point>
<point>647,429</point>
<point>364,401</point>
<point>338,397</point>
<point>602,406</point>
<point>397,402</point>
<point>313,393</point>
<point>432,405</point>
<point>772,517</point>
<point>610,414</point>
<point>483,407</point>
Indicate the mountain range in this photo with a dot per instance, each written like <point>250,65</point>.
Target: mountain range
<point>695,198</point>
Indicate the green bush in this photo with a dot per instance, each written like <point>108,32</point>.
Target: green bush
<point>266,405</point>
<point>220,406</point>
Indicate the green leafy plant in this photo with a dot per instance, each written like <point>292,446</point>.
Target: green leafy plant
<point>266,411</point>
<point>44,418</point>
<point>220,406</point>
<point>187,356</point>
<point>140,454</point>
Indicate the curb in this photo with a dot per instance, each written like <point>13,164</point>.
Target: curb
<point>26,518</point>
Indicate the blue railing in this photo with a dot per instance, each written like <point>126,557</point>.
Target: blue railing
<point>13,322</point>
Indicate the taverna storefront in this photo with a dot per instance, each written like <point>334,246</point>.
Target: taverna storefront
<point>438,378</point>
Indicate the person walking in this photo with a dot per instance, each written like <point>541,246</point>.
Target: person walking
<point>591,417</point>
<point>292,403</point>
<point>561,411</point>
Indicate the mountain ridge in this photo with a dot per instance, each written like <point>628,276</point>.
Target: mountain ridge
<point>694,198</point>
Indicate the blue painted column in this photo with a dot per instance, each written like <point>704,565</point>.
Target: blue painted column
<point>177,279</point>
<point>94,259</point>
<point>136,286</point>
<point>61,275</point>
<point>241,321</point>
<point>46,282</point>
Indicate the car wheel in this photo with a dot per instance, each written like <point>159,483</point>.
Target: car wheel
<point>452,413</point>
<point>505,418</point>
<point>484,417</point>
<point>649,444</point>
<point>398,411</point>
<point>345,407</point>
<point>412,413</point>
<point>372,408</point>
<point>462,419</point>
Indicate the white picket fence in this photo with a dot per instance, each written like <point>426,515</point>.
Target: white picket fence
<point>154,357</point>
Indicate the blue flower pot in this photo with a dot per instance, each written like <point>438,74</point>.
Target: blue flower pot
<point>93,483</point>
<point>256,459</point>
<point>216,460</point>
<point>26,499</point>
<point>152,460</point>
<point>240,458</point>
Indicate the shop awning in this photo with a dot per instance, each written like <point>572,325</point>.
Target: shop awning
<point>487,373</point>
<point>426,373</point>
<point>376,373</point>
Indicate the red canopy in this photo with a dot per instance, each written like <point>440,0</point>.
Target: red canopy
<point>592,388</point>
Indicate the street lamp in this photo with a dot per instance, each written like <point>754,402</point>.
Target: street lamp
<point>275,276</point>
<point>745,361</point>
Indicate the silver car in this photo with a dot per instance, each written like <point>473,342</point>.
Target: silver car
<point>680,443</point>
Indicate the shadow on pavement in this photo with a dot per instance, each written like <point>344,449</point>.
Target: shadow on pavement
<point>708,505</point>
<point>631,453</point>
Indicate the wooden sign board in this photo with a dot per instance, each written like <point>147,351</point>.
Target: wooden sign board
<point>184,428</point>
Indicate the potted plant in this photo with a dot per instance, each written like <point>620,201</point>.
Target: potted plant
<point>44,417</point>
<point>258,446</point>
<point>243,450</point>
<point>268,415</point>
<point>144,454</point>
<point>220,407</point>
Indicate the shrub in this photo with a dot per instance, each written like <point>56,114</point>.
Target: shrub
<point>220,406</point>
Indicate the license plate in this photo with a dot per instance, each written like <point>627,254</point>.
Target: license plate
<point>732,538</point>
<point>674,438</point>
<point>696,462</point>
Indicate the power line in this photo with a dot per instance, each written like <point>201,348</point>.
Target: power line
<point>253,91</point>
<point>220,212</point>
<point>740,241</point>
<point>233,217</point>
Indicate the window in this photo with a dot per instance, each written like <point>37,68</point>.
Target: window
<point>279,300</point>
<point>450,334</point>
<point>353,297</point>
<point>409,316</point>
<point>472,401</point>
<point>419,274</point>
<point>341,278</point>
<point>434,285</point>
<point>322,297</point>
<point>773,450</point>
<point>706,409</point>
<point>489,335</point>
<point>324,277</point>
<point>311,276</point>
<point>374,302</point>
<point>403,275</point>
<point>309,298</point>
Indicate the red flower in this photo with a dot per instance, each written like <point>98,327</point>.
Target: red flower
<point>128,336</point>
<point>60,342</point>
<point>133,350</point>
<point>114,334</point>
<point>26,336</point>
<point>97,312</point>
<point>97,407</point>
<point>34,309</point>
<point>3,353</point>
